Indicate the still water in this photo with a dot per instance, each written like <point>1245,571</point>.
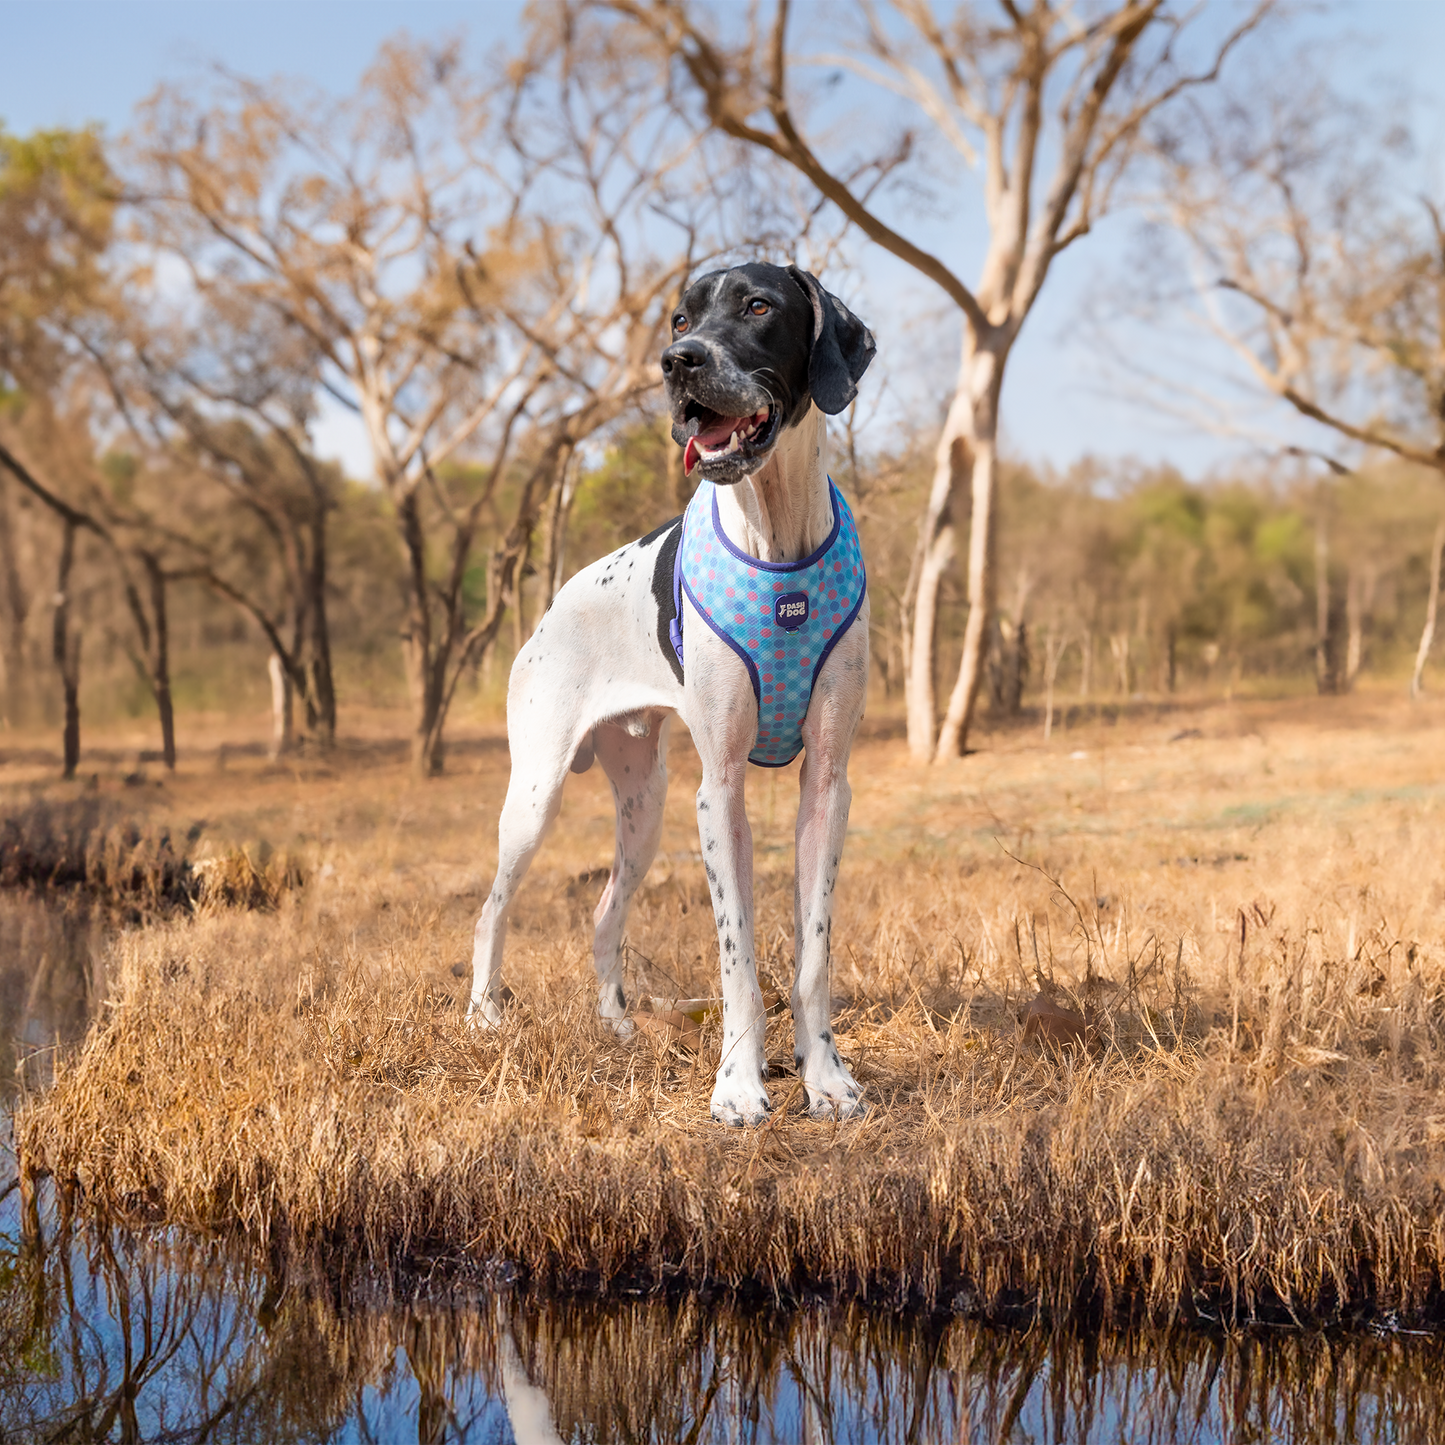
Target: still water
<point>109,1336</point>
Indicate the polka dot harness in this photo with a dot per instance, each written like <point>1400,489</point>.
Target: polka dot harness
<point>781,618</point>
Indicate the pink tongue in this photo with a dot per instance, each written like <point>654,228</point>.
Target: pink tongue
<point>717,434</point>
<point>713,437</point>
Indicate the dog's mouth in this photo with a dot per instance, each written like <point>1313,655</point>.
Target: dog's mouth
<point>713,437</point>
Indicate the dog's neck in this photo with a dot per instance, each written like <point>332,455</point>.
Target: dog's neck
<point>782,513</point>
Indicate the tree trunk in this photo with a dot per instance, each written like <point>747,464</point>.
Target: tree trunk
<point>323,683</point>
<point>519,601</point>
<point>1326,670</point>
<point>160,660</point>
<point>65,648</point>
<point>1359,604</point>
<point>1054,648</point>
<point>421,670</point>
<point>983,376</point>
<point>15,711</point>
<point>1119,650</point>
<point>952,464</point>
<point>1417,681</point>
<point>563,495</point>
<point>283,694</point>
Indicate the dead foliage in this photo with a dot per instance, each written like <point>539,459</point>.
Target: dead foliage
<point>1250,1124</point>
<point>138,868</point>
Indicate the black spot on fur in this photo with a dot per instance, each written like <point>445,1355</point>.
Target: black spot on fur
<point>671,534</point>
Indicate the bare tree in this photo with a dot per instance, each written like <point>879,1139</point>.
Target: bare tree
<point>222,400</point>
<point>410,234</point>
<point>1312,267</point>
<point>57,205</point>
<point>1052,103</point>
<point>145,572</point>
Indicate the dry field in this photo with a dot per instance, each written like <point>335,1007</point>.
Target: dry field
<point>1246,902</point>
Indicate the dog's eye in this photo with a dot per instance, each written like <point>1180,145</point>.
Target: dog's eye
<point>759,308</point>
<point>679,322</point>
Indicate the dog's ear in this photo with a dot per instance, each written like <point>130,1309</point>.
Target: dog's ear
<point>842,346</point>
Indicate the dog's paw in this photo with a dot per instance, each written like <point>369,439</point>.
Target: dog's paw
<point>740,1106</point>
<point>484,1013</point>
<point>623,1028</point>
<point>849,1105</point>
<point>833,1093</point>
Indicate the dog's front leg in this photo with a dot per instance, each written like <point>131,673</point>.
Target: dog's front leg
<point>824,799</point>
<point>739,1096</point>
<point>723,718</point>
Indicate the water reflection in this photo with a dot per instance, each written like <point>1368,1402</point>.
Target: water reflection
<point>50,975</point>
<point>109,1337</point>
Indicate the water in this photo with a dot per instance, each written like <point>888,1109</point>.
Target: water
<point>51,972</point>
<point>106,1335</point>
<point>112,1336</point>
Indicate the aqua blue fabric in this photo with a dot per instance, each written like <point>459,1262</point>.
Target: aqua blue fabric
<point>781,618</point>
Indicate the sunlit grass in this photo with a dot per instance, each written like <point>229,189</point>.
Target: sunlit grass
<point>1250,918</point>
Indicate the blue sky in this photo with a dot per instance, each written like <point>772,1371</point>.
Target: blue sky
<point>69,62</point>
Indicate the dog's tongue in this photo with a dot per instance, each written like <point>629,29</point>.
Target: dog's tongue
<point>712,437</point>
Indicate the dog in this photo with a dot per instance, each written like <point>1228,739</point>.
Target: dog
<point>759,356</point>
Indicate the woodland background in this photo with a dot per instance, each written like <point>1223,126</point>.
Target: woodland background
<point>481,263</point>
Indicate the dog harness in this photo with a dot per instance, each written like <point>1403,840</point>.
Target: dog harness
<point>781,618</point>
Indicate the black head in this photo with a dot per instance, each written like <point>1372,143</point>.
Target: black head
<point>751,349</point>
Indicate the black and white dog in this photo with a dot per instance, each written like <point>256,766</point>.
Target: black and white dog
<point>759,354</point>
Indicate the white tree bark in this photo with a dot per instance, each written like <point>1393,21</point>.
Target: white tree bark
<point>283,730</point>
<point>984,379</point>
<point>1417,681</point>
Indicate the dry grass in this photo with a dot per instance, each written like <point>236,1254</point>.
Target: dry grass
<point>1252,917</point>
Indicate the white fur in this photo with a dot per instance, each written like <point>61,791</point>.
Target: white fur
<point>593,675</point>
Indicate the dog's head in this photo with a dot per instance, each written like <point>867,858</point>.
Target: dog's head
<point>751,348</point>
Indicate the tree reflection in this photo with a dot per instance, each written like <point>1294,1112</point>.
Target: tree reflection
<point>106,1336</point>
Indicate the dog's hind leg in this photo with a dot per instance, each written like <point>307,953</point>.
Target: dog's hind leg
<point>636,765</point>
<point>534,796</point>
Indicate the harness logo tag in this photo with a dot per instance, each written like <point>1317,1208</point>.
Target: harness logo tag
<point>790,611</point>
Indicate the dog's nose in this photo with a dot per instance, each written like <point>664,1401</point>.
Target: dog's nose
<point>689,353</point>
